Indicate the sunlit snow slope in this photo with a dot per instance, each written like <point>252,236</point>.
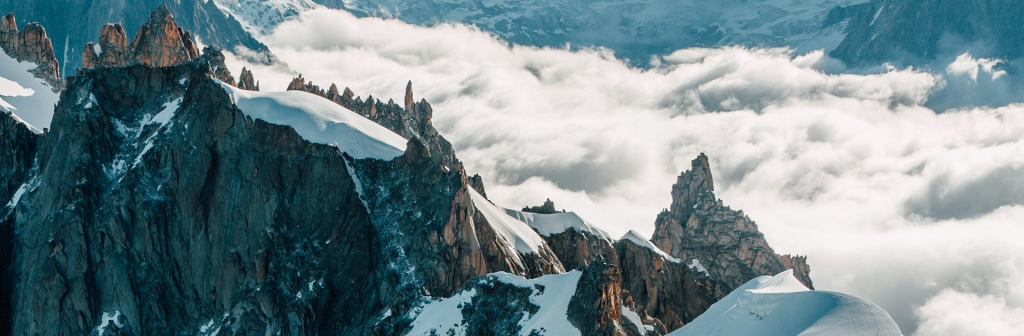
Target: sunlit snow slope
<point>319,120</point>
<point>781,306</point>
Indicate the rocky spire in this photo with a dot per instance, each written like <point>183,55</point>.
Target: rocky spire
<point>246,81</point>
<point>31,45</point>
<point>408,97</point>
<point>159,42</point>
<point>698,226</point>
<point>113,46</point>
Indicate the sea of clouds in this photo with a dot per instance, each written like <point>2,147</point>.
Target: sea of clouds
<point>917,210</point>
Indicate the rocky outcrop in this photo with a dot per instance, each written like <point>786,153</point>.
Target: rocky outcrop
<point>31,44</point>
<point>412,121</point>
<point>78,22</point>
<point>596,307</point>
<point>698,226</point>
<point>801,270</point>
<point>547,208</point>
<point>246,81</point>
<point>159,42</point>
<point>666,290</point>
<point>20,145</point>
<point>577,249</point>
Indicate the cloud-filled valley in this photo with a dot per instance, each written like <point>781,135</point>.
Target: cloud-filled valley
<point>916,210</point>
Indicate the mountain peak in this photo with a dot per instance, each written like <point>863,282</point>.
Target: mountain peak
<point>698,226</point>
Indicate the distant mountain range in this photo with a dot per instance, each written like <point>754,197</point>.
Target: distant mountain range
<point>859,32</point>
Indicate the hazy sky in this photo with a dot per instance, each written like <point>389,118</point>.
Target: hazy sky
<point>917,211</point>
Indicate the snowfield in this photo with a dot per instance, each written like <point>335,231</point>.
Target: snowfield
<point>782,306</point>
<point>321,121</point>
<point>549,224</point>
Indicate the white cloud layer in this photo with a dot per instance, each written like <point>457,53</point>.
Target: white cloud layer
<point>915,210</point>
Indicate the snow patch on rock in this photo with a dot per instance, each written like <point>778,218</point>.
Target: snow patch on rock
<point>549,224</point>
<point>636,238</point>
<point>513,231</point>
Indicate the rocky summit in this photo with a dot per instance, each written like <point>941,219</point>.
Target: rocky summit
<point>31,44</point>
<point>168,199</point>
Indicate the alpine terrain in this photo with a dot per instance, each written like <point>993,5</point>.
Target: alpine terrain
<point>169,197</point>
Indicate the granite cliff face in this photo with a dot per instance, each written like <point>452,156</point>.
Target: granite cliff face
<point>699,227</point>
<point>159,43</point>
<point>31,44</point>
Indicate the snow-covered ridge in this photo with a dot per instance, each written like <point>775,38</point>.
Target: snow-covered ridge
<point>552,293</point>
<point>636,238</point>
<point>782,306</point>
<point>516,233</point>
<point>549,224</point>
<point>321,121</point>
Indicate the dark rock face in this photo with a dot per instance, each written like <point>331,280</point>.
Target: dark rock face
<point>31,44</point>
<point>547,208</point>
<point>596,307</point>
<point>15,166</point>
<point>698,226</point>
<point>577,250</point>
<point>412,121</point>
<point>916,31</point>
<point>668,291</point>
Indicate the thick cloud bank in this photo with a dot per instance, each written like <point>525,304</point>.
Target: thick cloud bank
<point>915,210</point>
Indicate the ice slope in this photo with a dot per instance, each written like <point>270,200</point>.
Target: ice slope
<point>516,233</point>
<point>319,120</point>
<point>782,306</point>
<point>549,224</point>
<point>551,293</point>
<point>28,97</point>
<point>260,17</point>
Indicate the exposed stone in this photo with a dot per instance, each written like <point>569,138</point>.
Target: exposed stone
<point>666,290</point>
<point>246,81</point>
<point>413,121</point>
<point>159,42</point>
<point>596,307</point>
<point>31,45</point>
<point>113,47</point>
<point>698,226</point>
<point>547,208</point>
<point>576,249</point>
<point>801,270</point>
<point>475,181</point>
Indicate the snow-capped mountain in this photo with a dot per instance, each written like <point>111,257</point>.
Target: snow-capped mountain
<point>167,198</point>
<point>634,29</point>
<point>260,17</point>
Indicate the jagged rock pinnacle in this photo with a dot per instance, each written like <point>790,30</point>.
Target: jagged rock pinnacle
<point>409,101</point>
